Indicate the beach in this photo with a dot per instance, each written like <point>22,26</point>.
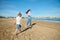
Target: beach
<point>40,30</point>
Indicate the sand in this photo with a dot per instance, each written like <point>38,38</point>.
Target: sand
<point>40,30</point>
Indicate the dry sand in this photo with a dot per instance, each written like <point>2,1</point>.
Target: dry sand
<point>39,31</point>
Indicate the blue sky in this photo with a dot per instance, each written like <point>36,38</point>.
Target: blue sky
<point>38,7</point>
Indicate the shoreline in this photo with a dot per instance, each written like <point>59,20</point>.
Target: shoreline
<point>48,21</point>
<point>43,20</point>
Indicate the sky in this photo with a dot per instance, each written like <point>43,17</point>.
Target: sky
<point>38,7</point>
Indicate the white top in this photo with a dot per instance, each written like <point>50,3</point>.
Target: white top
<point>29,13</point>
<point>18,19</point>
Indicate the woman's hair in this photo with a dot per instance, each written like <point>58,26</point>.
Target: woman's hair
<point>19,14</point>
<point>27,11</point>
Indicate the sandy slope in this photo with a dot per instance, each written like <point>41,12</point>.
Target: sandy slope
<point>39,31</point>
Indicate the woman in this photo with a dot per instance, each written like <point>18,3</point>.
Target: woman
<point>29,19</point>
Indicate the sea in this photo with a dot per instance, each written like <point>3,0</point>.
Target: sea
<point>48,19</point>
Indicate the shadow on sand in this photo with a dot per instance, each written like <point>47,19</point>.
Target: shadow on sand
<point>27,28</point>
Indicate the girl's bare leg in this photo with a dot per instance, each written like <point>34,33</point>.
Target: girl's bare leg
<point>15,32</point>
<point>19,31</point>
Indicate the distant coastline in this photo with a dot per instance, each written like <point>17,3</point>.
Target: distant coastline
<point>46,18</point>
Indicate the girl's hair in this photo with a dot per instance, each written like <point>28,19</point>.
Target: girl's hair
<point>19,14</point>
<point>27,11</point>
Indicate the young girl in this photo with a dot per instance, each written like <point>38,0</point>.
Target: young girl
<point>18,20</point>
<point>29,19</point>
